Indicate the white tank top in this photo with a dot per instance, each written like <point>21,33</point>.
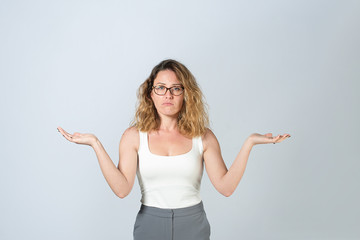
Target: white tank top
<point>170,181</point>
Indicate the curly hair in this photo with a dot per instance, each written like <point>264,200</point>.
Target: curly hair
<point>193,117</point>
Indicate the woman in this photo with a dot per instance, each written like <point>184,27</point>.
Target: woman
<point>166,147</point>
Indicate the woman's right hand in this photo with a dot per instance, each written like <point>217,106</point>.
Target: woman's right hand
<point>79,138</point>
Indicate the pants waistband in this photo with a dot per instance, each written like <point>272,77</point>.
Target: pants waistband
<point>177,212</point>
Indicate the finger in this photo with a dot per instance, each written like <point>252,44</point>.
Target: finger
<point>61,131</point>
<point>65,132</point>
<point>283,137</point>
<point>276,139</point>
<point>67,135</point>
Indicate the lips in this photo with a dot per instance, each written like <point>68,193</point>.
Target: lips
<point>167,104</point>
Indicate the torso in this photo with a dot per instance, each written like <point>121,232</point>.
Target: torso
<point>169,169</point>
<point>168,144</point>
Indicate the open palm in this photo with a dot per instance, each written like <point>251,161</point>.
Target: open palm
<point>257,138</point>
<point>79,138</point>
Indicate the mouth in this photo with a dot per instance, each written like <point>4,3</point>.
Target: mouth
<point>167,104</point>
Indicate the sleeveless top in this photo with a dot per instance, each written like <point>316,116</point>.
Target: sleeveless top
<point>170,181</point>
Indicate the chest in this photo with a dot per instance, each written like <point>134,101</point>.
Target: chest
<point>169,145</point>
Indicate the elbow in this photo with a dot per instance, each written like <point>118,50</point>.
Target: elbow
<point>227,193</point>
<point>122,194</point>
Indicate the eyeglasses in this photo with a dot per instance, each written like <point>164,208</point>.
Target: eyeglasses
<point>161,90</point>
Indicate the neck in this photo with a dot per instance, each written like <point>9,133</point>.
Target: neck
<point>168,124</point>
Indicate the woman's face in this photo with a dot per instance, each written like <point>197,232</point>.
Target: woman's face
<point>168,104</point>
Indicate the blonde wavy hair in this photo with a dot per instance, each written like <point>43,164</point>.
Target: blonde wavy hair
<point>193,118</point>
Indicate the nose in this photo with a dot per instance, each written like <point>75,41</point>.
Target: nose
<point>168,94</point>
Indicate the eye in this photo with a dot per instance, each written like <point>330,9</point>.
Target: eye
<point>160,87</point>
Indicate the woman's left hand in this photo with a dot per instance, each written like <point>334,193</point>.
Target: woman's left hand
<point>256,138</point>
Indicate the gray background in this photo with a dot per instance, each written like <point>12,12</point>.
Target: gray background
<point>264,66</point>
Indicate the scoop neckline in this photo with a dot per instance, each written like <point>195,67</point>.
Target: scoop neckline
<point>179,155</point>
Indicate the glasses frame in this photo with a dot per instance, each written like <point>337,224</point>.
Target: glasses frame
<point>153,87</point>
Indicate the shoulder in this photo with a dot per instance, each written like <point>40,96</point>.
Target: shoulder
<point>208,135</point>
<point>130,138</point>
<point>209,139</point>
<point>131,132</point>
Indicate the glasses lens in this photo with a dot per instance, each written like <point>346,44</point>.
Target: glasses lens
<point>176,90</point>
<point>160,90</point>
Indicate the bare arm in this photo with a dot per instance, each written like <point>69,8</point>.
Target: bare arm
<point>120,179</point>
<point>225,181</point>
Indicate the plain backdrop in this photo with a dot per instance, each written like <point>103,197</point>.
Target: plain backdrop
<point>264,66</point>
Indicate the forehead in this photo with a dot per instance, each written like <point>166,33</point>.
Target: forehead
<point>166,77</point>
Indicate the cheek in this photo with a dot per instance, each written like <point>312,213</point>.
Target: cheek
<point>154,99</point>
<point>182,103</point>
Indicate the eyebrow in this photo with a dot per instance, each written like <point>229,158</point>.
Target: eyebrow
<point>175,84</point>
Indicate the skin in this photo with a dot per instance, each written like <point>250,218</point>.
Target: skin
<point>168,141</point>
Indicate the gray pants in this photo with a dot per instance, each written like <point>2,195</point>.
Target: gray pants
<point>188,223</point>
